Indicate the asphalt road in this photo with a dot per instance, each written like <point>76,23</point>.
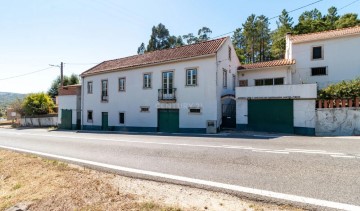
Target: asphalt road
<point>323,169</point>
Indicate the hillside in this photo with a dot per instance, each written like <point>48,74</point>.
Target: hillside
<point>6,98</point>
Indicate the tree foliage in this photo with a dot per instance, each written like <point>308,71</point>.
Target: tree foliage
<point>284,26</point>
<point>344,89</point>
<point>68,80</point>
<point>161,38</point>
<point>37,104</point>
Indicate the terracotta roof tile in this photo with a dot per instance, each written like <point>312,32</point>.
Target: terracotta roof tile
<point>155,57</point>
<point>275,63</point>
<point>70,90</point>
<point>325,35</point>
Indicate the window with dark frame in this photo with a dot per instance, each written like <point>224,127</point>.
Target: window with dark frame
<point>243,82</point>
<point>122,118</point>
<point>316,71</point>
<point>144,109</point>
<point>195,110</point>
<point>224,78</point>
<point>191,77</point>
<point>317,52</point>
<point>269,81</point>
<point>104,91</point>
<point>122,84</point>
<point>229,53</point>
<point>90,116</point>
<point>90,87</point>
<point>147,81</point>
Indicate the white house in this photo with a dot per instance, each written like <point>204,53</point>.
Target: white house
<point>280,95</point>
<point>181,89</point>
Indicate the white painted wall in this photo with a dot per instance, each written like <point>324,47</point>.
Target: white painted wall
<point>276,72</point>
<point>130,101</point>
<point>39,122</point>
<point>304,113</point>
<point>231,66</point>
<point>340,56</point>
<point>337,122</point>
<point>278,91</point>
<point>242,111</point>
<point>69,102</point>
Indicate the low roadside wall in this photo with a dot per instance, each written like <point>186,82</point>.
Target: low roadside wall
<point>46,121</point>
<point>337,122</point>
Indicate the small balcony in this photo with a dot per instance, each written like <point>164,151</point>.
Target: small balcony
<point>167,95</point>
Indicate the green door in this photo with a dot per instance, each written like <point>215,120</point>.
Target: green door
<point>168,120</point>
<point>66,119</point>
<point>271,115</point>
<point>104,121</point>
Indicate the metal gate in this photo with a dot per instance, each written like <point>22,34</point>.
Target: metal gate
<point>168,120</point>
<point>271,115</point>
<point>229,114</point>
<point>66,119</point>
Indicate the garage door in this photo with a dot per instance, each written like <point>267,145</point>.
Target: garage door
<point>66,119</point>
<point>168,120</point>
<point>271,115</point>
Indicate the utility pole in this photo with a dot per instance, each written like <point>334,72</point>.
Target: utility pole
<point>62,74</point>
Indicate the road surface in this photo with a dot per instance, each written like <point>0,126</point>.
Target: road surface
<point>310,171</point>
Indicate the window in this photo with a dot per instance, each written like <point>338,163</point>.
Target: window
<point>269,81</point>
<point>233,82</point>
<point>122,84</point>
<point>318,71</point>
<point>195,110</point>
<point>144,109</point>
<point>90,116</point>
<point>191,77</point>
<point>90,87</point>
<point>224,78</point>
<point>122,118</point>
<point>229,53</point>
<point>104,91</point>
<point>147,81</point>
<point>317,52</point>
<point>243,82</point>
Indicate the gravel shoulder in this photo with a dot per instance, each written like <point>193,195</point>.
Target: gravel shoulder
<point>35,183</point>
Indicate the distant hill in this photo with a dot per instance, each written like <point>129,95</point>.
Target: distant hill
<point>7,97</point>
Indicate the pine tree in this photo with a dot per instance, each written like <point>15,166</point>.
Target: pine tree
<point>347,20</point>
<point>250,36</point>
<point>239,44</point>
<point>204,34</point>
<point>159,38</point>
<point>263,31</point>
<point>278,37</point>
<point>141,49</point>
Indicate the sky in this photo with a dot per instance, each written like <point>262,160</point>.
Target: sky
<point>82,33</point>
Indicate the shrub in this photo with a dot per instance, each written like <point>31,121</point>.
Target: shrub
<point>344,89</point>
<point>38,104</point>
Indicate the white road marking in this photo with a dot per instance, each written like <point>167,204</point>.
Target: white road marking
<point>342,156</point>
<point>275,151</point>
<point>266,193</point>
<point>344,137</point>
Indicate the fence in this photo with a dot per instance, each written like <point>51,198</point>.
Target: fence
<point>338,103</point>
<point>39,121</point>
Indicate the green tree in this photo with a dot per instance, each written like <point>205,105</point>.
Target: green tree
<point>250,34</point>
<point>176,41</point>
<point>239,44</point>
<point>264,42</point>
<point>190,38</point>
<point>141,49</point>
<point>344,89</point>
<point>278,37</point>
<point>54,88</point>
<point>159,38</point>
<point>38,104</point>
<point>309,22</point>
<point>204,34</point>
<point>331,18</point>
<point>347,20</point>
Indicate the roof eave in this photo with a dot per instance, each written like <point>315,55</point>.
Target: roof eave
<point>258,68</point>
<point>322,39</point>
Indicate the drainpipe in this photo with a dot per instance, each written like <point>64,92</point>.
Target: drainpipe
<point>82,103</point>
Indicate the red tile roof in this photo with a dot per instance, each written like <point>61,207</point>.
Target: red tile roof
<point>325,35</point>
<point>156,57</point>
<point>70,90</point>
<point>275,63</point>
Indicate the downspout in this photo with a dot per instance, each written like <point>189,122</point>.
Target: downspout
<point>82,103</point>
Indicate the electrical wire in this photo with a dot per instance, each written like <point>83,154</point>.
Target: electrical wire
<point>17,76</point>
<point>275,16</point>
<point>348,5</point>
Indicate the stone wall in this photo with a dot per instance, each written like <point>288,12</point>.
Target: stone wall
<point>337,122</point>
<point>39,122</point>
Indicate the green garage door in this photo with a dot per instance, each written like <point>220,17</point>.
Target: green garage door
<point>168,120</point>
<point>271,115</point>
<point>66,119</point>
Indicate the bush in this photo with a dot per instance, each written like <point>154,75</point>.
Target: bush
<point>344,89</point>
<point>38,104</point>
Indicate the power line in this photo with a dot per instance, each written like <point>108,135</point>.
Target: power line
<point>278,16</point>
<point>348,5</point>
<point>17,76</point>
<point>82,63</point>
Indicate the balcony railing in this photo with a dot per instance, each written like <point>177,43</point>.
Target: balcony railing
<point>167,95</point>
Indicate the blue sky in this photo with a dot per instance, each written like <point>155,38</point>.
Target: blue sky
<point>36,33</point>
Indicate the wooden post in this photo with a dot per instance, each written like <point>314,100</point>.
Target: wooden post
<point>326,102</point>
<point>337,103</point>
<point>357,102</point>
<point>350,103</point>
<point>343,103</point>
<point>331,105</point>
<point>319,103</point>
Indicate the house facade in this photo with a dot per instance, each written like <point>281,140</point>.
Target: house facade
<point>172,90</point>
<point>279,96</point>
